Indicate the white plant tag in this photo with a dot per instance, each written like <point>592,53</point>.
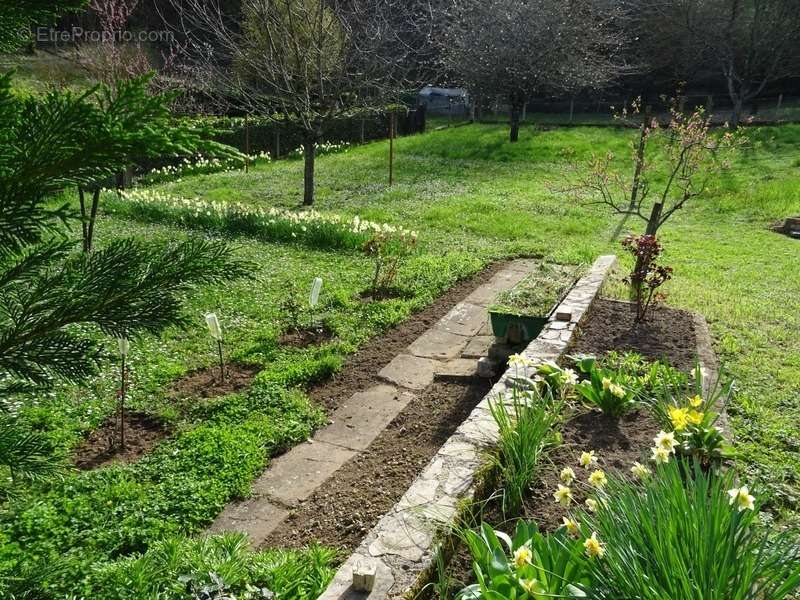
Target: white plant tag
<point>316,287</point>
<point>124,346</point>
<point>213,326</point>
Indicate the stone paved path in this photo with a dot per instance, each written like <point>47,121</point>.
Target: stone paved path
<point>448,350</point>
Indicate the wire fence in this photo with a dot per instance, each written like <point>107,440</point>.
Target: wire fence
<point>600,111</point>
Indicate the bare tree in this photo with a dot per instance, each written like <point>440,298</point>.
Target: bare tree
<point>521,48</point>
<point>755,43</point>
<point>305,62</point>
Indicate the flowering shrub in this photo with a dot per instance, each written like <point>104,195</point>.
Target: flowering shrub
<point>321,230</point>
<point>647,275</point>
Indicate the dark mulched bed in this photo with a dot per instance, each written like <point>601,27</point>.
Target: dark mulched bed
<point>206,382</point>
<point>306,336</point>
<point>667,333</point>
<point>101,447</point>
<point>350,503</point>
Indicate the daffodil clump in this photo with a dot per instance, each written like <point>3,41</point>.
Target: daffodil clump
<point>613,392</point>
<point>692,425</point>
<point>274,224</point>
<point>200,165</point>
<point>545,376</point>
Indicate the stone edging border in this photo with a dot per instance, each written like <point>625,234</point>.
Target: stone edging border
<point>402,546</point>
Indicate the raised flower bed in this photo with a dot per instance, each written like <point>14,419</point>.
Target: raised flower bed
<point>518,315</point>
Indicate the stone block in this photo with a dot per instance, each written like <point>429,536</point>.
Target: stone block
<point>298,473</point>
<point>439,344</point>
<point>464,319</point>
<point>409,371</point>
<point>458,369</point>
<point>478,347</point>
<point>364,417</point>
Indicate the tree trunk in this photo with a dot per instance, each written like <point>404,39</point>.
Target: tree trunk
<point>736,117</point>
<point>309,155</point>
<point>515,111</point>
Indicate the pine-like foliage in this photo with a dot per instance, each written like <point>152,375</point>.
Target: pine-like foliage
<point>47,289</point>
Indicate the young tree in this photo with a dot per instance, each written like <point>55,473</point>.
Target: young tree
<point>522,48</point>
<point>304,62</point>
<point>47,291</point>
<point>671,165</point>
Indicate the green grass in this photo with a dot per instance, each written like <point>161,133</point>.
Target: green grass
<point>467,188</point>
<point>473,198</point>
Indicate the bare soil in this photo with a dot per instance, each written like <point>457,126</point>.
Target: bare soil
<point>306,336</point>
<point>668,333</point>
<point>352,501</point>
<point>101,447</point>
<point>207,383</point>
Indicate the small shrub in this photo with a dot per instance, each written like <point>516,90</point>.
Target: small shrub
<point>388,248</point>
<point>647,275</point>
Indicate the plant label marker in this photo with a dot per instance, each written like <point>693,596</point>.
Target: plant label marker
<point>316,287</point>
<point>216,332</point>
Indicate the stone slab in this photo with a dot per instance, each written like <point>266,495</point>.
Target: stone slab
<point>478,347</point>
<point>458,369</point>
<point>294,476</point>
<point>410,372</point>
<point>439,344</point>
<point>256,517</point>
<point>464,319</point>
<point>364,416</point>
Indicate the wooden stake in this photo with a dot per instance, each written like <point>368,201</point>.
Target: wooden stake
<point>122,391</point>
<point>391,148</point>
<point>246,142</point>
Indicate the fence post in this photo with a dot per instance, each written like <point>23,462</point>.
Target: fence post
<point>277,142</point>
<point>524,110</point>
<point>571,108</point>
<point>778,108</point>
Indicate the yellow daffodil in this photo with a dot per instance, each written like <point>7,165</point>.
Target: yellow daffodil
<point>666,441</point>
<point>567,475</point>
<point>695,417</point>
<point>679,418</point>
<point>594,548</point>
<point>607,383</point>
<point>588,459</point>
<point>569,377</point>
<point>617,390</point>
<point>571,526</point>
<point>591,504</point>
<point>563,495</point>
<point>639,470</point>
<point>518,360</point>
<point>695,402</point>
<point>741,496</point>
<point>531,586</point>
<point>598,479</point>
<point>660,455</point>
<point>522,556</point>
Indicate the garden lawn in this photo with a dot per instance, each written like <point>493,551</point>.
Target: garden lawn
<point>473,198</point>
<point>467,189</point>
